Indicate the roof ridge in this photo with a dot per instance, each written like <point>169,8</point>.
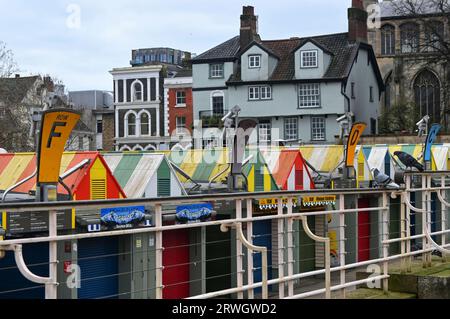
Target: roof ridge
<point>307,37</point>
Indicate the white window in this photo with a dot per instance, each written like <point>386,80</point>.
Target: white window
<point>318,129</point>
<point>216,71</point>
<point>210,143</point>
<point>253,93</point>
<point>309,95</point>
<point>181,125</point>
<point>254,61</point>
<point>181,97</point>
<point>266,92</point>
<point>145,123</point>
<point>291,128</point>
<point>309,59</point>
<point>265,133</point>
<point>259,93</point>
<point>130,123</point>
<point>137,89</point>
<point>217,104</point>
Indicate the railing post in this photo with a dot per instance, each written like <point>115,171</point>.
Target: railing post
<point>251,292</point>
<point>408,224</point>
<point>443,218</point>
<point>239,255</point>
<point>424,221</point>
<point>51,288</point>
<point>280,231</point>
<point>326,241</point>
<point>290,244</point>
<point>428,217</point>
<point>342,242</point>
<point>385,213</point>
<point>159,252</point>
<point>403,235</point>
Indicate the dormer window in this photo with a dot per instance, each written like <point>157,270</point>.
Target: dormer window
<point>309,59</point>
<point>254,61</point>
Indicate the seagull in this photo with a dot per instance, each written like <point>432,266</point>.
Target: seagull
<point>409,161</point>
<point>383,180</point>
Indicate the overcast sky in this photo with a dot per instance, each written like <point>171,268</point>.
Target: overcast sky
<point>46,38</point>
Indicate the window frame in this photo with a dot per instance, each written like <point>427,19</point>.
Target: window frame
<point>302,59</point>
<point>177,98</point>
<point>214,95</point>
<point>256,57</point>
<point>99,122</point>
<point>211,70</point>
<point>371,99</point>
<point>265,126</point>
<point>127,124</point>
<point>388,29</point>
<point>352,90</point>
<point>134,91</point>
<point>257,94</point>
<point>286,128</point>
<point>301,88</point>
<point>178,127</point>
<point>322,118</point>
<point>140,114</point>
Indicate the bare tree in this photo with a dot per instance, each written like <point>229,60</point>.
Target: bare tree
<point>7,63</point>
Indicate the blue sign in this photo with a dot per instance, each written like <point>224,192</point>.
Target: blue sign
<point>195,212</point>
<point>123,215</point>
<point>432,135</point>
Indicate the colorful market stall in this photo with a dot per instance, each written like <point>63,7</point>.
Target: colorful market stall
<point>289,169</point>
<point>86,177</point>
<point>329,159</point>
<point>144,175</point>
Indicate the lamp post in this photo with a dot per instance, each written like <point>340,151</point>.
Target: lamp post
<point>237,147</point>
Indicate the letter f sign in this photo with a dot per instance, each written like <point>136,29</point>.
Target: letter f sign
<point>53,132</point>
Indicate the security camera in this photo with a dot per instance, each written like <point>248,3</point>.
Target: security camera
<point>342,118</point>
<point>424,120</point>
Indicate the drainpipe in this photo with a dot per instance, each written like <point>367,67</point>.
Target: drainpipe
<point>343,87</point>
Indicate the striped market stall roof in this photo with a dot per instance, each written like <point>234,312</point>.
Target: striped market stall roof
<point>146,175</point>
<point>204,166</point>
<point>83,183</point>
<point>288,169</point>
<point>328,158</point>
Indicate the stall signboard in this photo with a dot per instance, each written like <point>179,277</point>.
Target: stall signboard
<point>35,222</point>
<point>272,203</point>
<point>353,139</point>
<point>194,213</point>
<point>124,217</point>
<point>310,201</point>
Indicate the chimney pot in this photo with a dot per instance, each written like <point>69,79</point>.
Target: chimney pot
<point>17,76</point>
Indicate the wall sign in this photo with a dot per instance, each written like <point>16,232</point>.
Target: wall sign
<point>194,213</point>
<point>123,217</point>
<point>56,127</point>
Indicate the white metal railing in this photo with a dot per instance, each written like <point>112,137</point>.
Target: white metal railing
<point>286,281</point>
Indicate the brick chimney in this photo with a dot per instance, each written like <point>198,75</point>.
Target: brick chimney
<point>357,22</point>
<point>249,26</point>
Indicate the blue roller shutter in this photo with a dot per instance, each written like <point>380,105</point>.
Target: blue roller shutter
<point>11,280</point>
<point>98,260</point>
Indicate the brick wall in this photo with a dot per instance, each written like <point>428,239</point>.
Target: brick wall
<point>175,112</point>
<point>108,132</point>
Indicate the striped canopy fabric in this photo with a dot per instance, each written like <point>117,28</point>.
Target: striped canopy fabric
<point>143,174</point>
<point>288,169</point>
<point>205,166</point>
<point>17,167</point>
<point>328,158</point>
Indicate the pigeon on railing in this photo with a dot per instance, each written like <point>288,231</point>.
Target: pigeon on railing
<point>382,180</point>
<point>409,161</point>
